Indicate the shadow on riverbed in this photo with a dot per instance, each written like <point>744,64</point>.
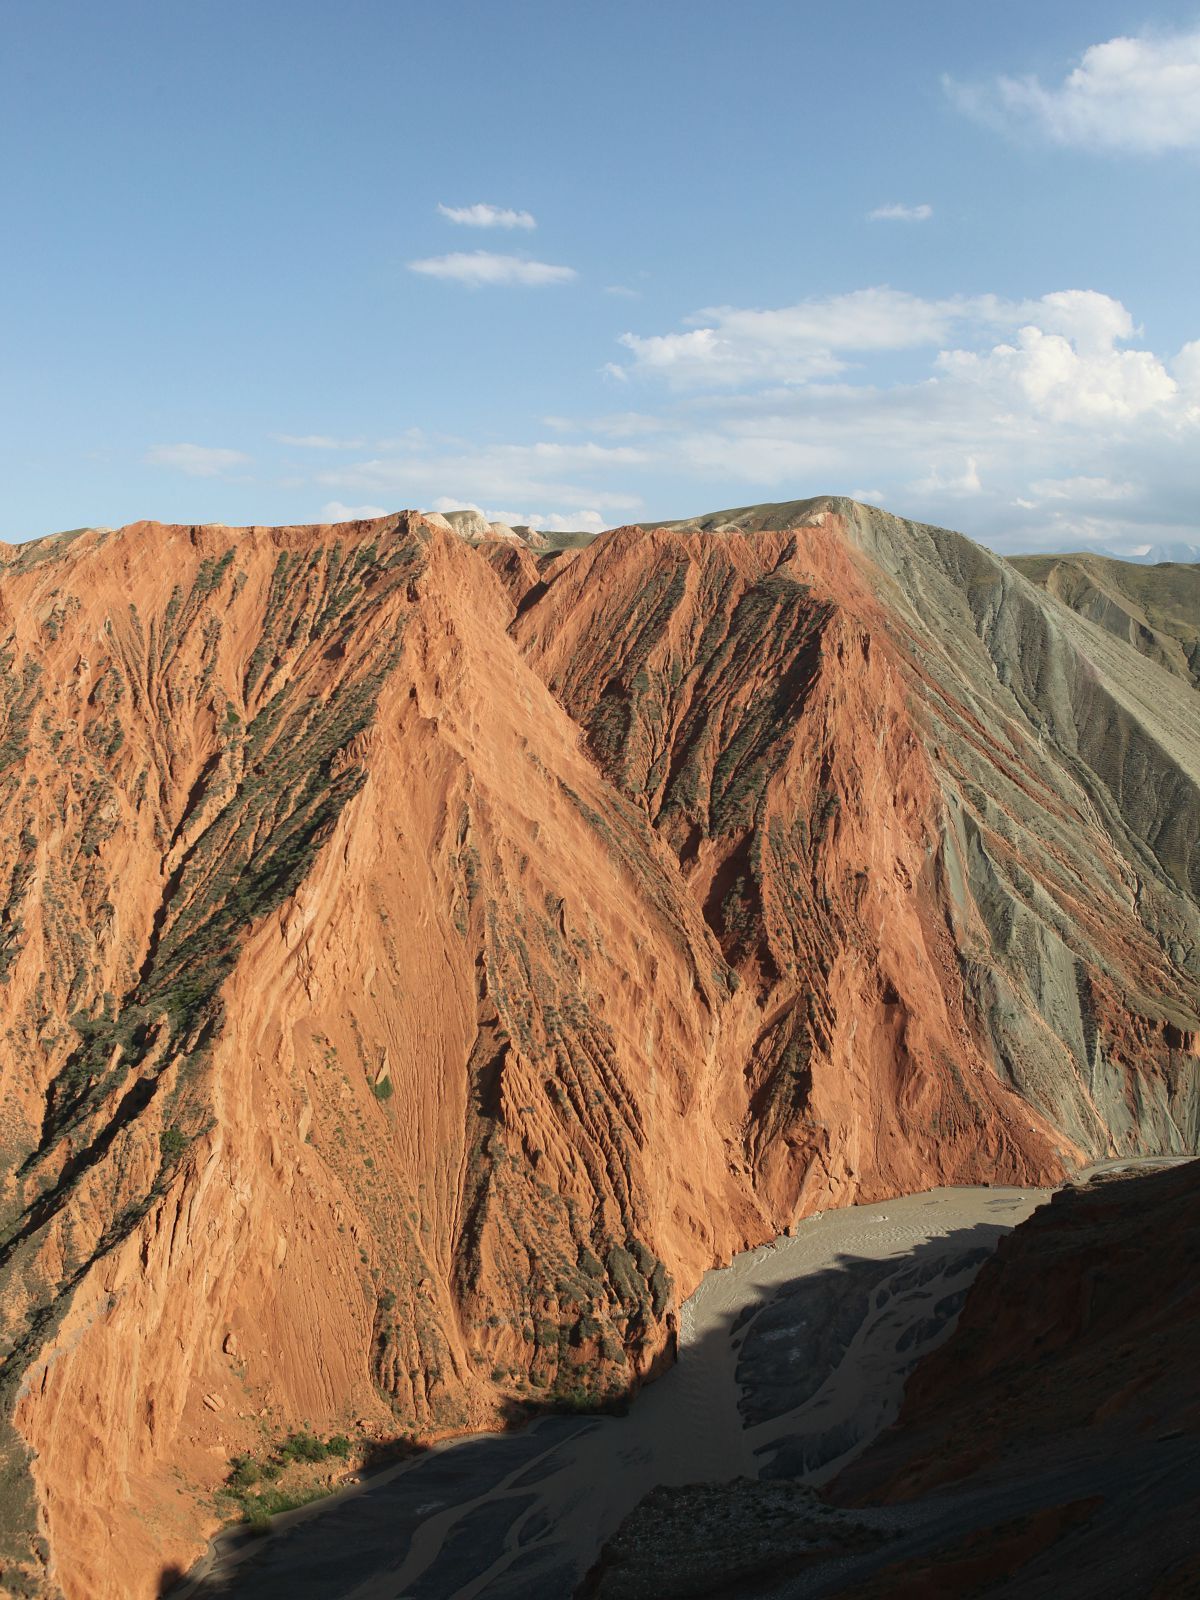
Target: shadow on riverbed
<point>795,1370</point>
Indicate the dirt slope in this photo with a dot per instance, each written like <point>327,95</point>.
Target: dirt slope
<point>936,824</point>
<point>1155,608</point>
<point>422,959</point>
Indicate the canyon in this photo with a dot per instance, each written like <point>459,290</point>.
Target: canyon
<point>426,951</point>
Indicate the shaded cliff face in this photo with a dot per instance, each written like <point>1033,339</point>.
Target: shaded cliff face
<point>1049,1447</point>
<point>422,959</point>
<point>1086,1316</point>
<point>1073,1360</point>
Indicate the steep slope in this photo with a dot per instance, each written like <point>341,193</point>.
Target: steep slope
<point>383,1052</point>
<point>333,1088</point>
<point>940,826</point>
<point>1086,1315</point>
<point>1049,1448</point>
<point>1156,608</point>
<point>1076,1349</point>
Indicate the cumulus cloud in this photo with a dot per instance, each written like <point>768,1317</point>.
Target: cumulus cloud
<point>1138,94</point>
<point>336,511</point>
<point>1048,375</point>
<point>1061,361</point>
<point>793,344</point>
<point>1042,423</point>
<point>819,338</point>
<point>197,460</point>
<point>477,268</point>
<point>897,212</point>
<point>1186,367</point>
<point>485,216</point>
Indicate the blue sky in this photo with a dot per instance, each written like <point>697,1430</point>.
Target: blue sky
<point>586,265</point>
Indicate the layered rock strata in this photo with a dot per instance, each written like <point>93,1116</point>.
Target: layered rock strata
<point>423,958</point>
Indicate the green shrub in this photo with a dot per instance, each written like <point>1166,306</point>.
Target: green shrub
<point>172,1143</point>
<point>246,1472</point>
<point>302,1447</point>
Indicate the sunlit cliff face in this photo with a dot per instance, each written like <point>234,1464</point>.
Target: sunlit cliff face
<point>422,959</point>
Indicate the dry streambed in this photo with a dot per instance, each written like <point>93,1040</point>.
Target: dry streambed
<point>791,1359</point>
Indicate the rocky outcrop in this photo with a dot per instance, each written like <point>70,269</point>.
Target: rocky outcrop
<point>1084,1317</point>
<point>423,957</point>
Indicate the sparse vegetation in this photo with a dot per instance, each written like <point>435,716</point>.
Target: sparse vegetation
<point>262,1488</point>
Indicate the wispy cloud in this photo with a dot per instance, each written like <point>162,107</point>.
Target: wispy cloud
<point>485,216</point>
<point>1063,355</point>
<point>317,441</point>
<point>1137,94</point>
<point>478,268</point>
<point>1041,423</point>
<point>1038,423</point>
<point>1082,490</point>
<point>622,292</point>
<point>794,344</point>
<point>197,460</point>
<point>545,472</point>
<point>898,212</point>
<point>336,511</point>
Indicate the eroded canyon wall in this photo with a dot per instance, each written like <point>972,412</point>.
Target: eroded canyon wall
<point>422,960</point>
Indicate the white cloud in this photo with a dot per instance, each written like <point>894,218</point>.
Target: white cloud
<point>572,522</point>
<point>316,441</point>
<point>1049,375</point>
<point>735,346</point>
<point>335,511</point>
<point>1094,321</point>
<point>1081,489</point>
<point>939,482</point>
<point>548,472</point>
<point>197,460</point>
<point>898,212</point>
<point>1186,367</point>
<point>1033,424</point>
<point>1140,94</point>
<point>476,268</point>
<point>485,216</point>
<point>622,291</point>
<point>582,521</point>
<point>792,344</point>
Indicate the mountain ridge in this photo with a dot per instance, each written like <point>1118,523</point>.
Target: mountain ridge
<point>427,957</point>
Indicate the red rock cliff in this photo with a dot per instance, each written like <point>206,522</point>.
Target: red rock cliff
<point>421,962</point>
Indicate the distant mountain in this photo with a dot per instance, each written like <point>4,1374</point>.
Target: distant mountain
<point>1154,608</point>
<point>425,953</point>
<point>1176,551</point>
